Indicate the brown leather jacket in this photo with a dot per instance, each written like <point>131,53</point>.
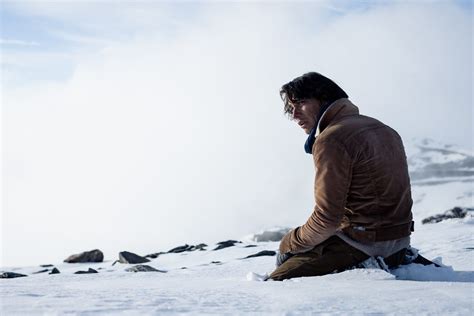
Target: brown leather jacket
<point>362,185</point>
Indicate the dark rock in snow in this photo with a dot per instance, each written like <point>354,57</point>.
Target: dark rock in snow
<point>54,271</point>
<point>130,257</point>
<point>86,272</point>
<point>143,268</point>
<point>216,262</point>
<point>41,271</point>
<point>250,246</point>
<point>271,235</point>
<point>226,244</point>
<point>262,253</point>
<point>87,256</point>
<point>187,247</point>
<point>11,275</point>
<point>46,265</point>
<point>155,255</point>
<point>455,212</point>
<point>200,247</point>
<point>228,241</point>
<point>180,249</point>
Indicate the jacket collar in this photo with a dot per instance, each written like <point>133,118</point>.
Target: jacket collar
<point>337,110</point>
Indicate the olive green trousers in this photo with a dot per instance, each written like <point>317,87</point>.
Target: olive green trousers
<point>332,255</point>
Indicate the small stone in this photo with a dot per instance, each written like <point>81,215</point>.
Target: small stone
<point>143,268</point>
<point>54,271</point>
<point>46,265</point>
<point>86,272</point>
<point>250,246</point>
<point>155,255</point>
<point>41,271</point>
<point>11,275</point>
<point>262,253</point>
<point>87,256</point>
<point>216,262</point>
<point>130,257</point>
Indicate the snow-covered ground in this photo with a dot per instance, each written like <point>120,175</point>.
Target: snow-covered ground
<point>226,289</point>
<point>220,282</point>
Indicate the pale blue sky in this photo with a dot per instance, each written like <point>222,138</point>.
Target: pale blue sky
<point>56,28</point>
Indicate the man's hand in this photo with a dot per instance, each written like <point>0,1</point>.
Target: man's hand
<point>282,257</point>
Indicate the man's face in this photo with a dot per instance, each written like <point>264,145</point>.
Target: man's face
<point>305,112</point>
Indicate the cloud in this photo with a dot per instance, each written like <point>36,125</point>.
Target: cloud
<point>173,137</point>
<point>17,42</point>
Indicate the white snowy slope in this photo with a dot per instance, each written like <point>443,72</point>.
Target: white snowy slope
<point>230,285</point>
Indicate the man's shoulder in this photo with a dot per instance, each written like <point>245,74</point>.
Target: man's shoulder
<point>356,133</point>
<point>349,127</point>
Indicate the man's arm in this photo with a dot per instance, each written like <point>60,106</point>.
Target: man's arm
<point>333,178</point>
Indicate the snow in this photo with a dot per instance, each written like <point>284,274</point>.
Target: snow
<point>418,272</point>
<point>235,286</point>
<point>221,282</point>
<point>225,290</point>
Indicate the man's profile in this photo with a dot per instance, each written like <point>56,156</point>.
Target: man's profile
<point>362,187</point>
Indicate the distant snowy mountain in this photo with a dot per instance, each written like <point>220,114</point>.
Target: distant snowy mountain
<point>432,162</point>
<point>442,176</point>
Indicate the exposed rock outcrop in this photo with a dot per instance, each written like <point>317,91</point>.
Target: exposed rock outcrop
<point>155,255</point>
<point>87,256</point>
<point>226,244</point>
<point>143,268</point>
<point>187,247</point>
<point>262,253</point>
<point>86,272</point>
<point>456,212</point>
<point>130,257</point>
<point>54,271</point>
<point>180,249</point>
<point>11,275</point>
<point>200,247</point>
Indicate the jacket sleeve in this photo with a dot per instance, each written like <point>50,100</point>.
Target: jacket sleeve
<point>333,178</point>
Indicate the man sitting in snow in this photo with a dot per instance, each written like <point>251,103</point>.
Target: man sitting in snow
<point>362,187</point>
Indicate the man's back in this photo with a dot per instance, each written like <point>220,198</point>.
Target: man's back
<point>379,193</point>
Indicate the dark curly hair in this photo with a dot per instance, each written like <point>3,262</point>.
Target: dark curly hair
<point>308,86</point>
